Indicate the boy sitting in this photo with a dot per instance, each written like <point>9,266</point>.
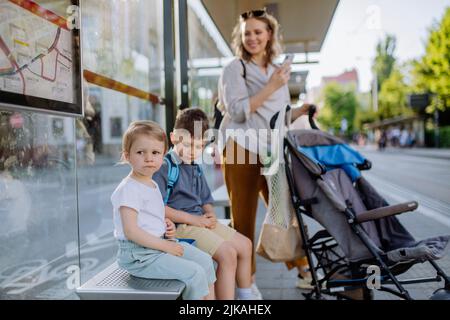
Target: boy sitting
<point>189,204</point>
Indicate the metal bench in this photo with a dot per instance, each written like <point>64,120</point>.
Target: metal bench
<point>221,199</point>
<point>114,283</point>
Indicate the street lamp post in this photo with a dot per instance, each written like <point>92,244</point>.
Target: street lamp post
<point>436,128</point>
<point>375,92</point>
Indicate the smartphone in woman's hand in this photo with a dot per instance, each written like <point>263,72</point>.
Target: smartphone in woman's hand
<point>288,59</point>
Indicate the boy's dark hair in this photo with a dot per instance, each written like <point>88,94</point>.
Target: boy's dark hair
<point>188,119</point>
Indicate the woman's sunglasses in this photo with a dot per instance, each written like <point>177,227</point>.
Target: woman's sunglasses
<point>253,13</point>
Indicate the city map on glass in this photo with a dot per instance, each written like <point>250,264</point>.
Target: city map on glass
<point>40,56</point>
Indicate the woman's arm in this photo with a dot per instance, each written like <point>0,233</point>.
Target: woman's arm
<point>258,99</point>
<point>298,112</point>
<point>134,233</point>
<point>235,97</point>
<point>279,78</point>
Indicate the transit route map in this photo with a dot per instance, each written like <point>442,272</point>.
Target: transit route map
<point>35,52</point>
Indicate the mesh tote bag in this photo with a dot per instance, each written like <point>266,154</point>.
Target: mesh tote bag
<point>279,239</point>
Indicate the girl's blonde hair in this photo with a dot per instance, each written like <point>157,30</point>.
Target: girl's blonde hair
<point>273,48</point>
<point>145,127</point>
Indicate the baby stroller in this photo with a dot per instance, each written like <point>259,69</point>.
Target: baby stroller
<point>361,232</point>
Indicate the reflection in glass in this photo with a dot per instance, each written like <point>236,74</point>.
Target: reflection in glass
<point>207,49</point>
<point>38,203</point>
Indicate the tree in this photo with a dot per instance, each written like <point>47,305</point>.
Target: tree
<point>364,112</point>
<point>363,117</point>
<point>384,60</point>
<point>432,72</point>
<point>339,103</point>
<point>393,96</point>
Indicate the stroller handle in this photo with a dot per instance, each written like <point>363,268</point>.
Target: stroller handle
<point>311,112</point>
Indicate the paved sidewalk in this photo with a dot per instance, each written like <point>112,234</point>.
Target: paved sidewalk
<point>273,279</point>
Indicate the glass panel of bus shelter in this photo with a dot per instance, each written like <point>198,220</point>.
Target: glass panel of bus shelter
<point>38,232</point>
<point>122,41</point>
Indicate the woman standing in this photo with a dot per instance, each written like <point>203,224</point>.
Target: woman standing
<point>252,89</point>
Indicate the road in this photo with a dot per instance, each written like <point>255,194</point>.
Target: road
<point>400,177</point>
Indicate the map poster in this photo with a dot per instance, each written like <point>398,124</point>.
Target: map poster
<point>40,56</point>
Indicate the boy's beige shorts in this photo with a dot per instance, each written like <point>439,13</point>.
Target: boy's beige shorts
<point>208,240</point>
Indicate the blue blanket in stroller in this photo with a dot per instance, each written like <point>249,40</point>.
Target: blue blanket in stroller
<point>336,156</point>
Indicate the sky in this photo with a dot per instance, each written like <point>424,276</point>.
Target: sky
<point>359,24</point>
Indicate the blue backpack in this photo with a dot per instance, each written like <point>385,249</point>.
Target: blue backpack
<point>173,173</point>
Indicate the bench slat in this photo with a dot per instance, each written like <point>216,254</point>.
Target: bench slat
<point>114,283</point>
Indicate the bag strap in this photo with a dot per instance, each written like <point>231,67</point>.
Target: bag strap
<point>244,69</point>
<point>199,170</point>
<point>173,173</point>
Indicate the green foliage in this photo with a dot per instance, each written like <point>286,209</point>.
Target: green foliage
<point>364,116</point>
<point>444,137</point>
<point>392,100</point>
<point>384,59</point>
<point>432,72</point>
<point>339,102</point>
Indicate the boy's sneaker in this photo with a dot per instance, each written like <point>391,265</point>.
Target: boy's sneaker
<point>256,292</point>
<point>306,282</point>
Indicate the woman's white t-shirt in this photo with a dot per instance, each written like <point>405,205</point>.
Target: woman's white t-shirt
<point>147,202</point>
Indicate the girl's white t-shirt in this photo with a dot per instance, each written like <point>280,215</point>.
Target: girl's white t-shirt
<point>145,200</point>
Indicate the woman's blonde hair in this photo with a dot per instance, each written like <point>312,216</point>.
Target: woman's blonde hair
<point>144,127</point>
<point>274,47</point>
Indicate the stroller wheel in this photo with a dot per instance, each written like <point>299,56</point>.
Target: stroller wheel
<point>441,294</point>
<point>312,296</point>
<point>356,294</point>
